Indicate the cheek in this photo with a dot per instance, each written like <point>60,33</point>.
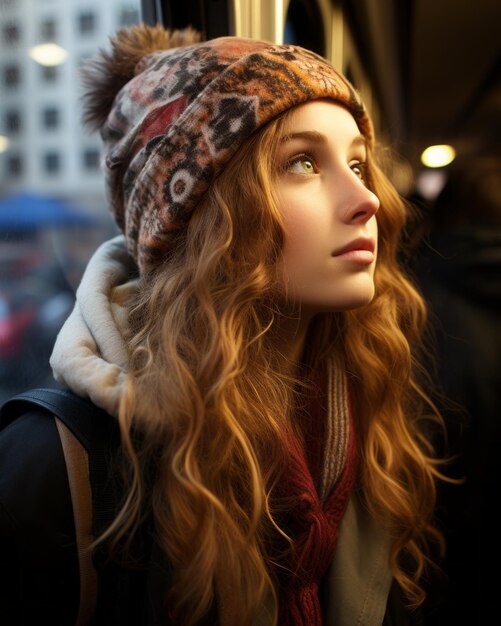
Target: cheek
<point>300,240</point>
<point>299,258</point>
<point>304,230</point>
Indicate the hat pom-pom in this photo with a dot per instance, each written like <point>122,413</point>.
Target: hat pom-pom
<point>110,70</point>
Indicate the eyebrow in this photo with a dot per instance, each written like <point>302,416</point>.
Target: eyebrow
<point>311,135</point>
<point>316,137</point>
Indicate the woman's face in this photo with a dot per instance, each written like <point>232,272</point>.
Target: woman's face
<point>329,214</point>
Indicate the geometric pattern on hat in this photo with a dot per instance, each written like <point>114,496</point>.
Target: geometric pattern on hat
<point>175,125</point>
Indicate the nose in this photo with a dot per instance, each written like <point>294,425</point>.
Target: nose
<point>360,204</point>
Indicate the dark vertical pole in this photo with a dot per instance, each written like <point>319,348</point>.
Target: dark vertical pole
<point>152,12</point>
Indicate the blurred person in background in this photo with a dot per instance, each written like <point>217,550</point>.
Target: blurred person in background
<point>35,299</point>
<point>459,271</point>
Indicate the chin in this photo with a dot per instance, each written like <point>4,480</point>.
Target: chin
<point>358,303</point>
<point>355,300</point>
<point>351,294</point>
<point>357,294</point>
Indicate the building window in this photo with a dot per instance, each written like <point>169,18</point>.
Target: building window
<point>129,16</point>
<point>11,75</point>
<point>48,30</point>
<point>91,159</point>
<point>12,122</point>
<point>14,166</point>
<point>86,23</point>
<point>52,162</point>
<point>11,34</point>
<point>50,117</point>
<point>49,73</point>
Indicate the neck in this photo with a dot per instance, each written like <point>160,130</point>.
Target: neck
<point>291,337</point>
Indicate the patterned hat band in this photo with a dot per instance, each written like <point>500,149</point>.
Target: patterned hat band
<point>175,125</point>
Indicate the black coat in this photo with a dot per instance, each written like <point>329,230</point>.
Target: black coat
<point>38,546</point>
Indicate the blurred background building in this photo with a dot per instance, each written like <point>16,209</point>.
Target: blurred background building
<point>43,45</point>
<point>52,206</point>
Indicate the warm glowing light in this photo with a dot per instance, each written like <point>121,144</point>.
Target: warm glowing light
<point>438,156</point>
<point>4,143</point>
<point>48,54</point>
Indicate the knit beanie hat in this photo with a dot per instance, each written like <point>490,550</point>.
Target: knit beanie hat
<point>172,111</point>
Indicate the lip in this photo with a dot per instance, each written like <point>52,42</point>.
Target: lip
<point>360,250</point>
<point>365,244</point>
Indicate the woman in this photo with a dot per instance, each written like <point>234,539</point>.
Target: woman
<point>257,357</point>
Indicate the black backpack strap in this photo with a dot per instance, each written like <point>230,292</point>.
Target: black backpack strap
<point>95,429</point>
<point>76,412</point>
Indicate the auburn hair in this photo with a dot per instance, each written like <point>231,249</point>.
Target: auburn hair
<point>204,416</point>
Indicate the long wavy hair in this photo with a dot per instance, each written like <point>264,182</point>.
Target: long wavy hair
<point>204,417</point>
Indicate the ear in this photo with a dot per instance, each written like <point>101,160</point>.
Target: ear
<point>109,71</point>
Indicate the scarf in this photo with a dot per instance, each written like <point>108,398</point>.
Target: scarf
<point>318,480</point>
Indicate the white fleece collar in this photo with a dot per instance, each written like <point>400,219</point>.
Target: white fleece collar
<point>90,354</point>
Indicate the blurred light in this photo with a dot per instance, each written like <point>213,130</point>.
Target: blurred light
<point>430,184</point>
<point>4,143</point>
<point>438,156</point>
<point>48,54</point>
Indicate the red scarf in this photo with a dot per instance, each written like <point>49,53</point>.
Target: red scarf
<point>312,523</point>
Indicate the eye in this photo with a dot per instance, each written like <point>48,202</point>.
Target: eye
<point>360,169</point>
<point>301,164</point>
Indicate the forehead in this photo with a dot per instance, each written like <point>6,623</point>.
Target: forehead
<point>326,117</point>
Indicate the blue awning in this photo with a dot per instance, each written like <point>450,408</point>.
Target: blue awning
<point>25,211</point>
